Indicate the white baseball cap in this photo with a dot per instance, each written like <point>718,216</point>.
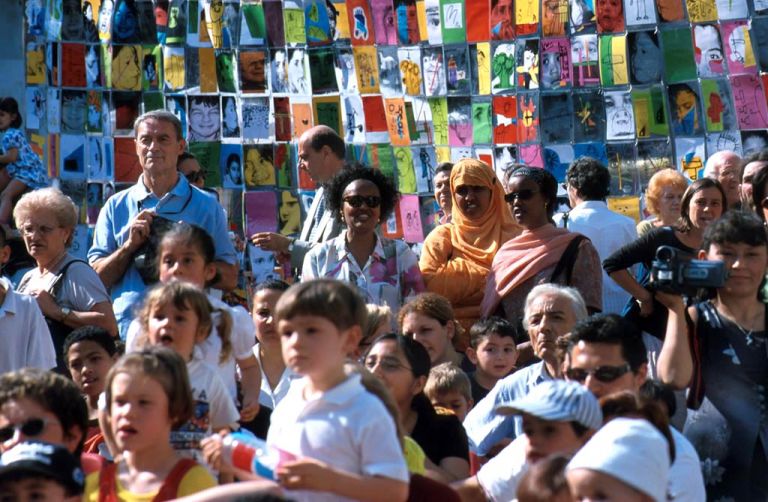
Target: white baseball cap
<point>630,450</point>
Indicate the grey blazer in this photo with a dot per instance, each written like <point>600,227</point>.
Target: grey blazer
<point>329,227</point>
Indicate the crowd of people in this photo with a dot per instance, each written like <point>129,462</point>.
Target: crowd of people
<point>521,353</point>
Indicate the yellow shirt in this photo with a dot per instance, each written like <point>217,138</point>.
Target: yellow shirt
<point>195,480</point>
<point>414,456</point>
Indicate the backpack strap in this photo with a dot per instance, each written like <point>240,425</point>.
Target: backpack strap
<point>696,387</point>
<point>568,259</point>
<point>108,482</point>
<point>56,286</point>
<point>170,488</point>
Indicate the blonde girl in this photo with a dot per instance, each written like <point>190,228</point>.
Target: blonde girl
<point>177,315</point>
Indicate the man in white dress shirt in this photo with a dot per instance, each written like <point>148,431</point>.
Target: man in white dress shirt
<point>321,154</point>
<point>588,183</point>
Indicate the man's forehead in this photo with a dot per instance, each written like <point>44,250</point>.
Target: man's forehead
<point>550,304</point>
<point>154,126</point>
<point>730,163</point>
<point>598,351</point>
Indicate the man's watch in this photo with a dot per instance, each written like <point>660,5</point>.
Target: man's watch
<point>65,311</point>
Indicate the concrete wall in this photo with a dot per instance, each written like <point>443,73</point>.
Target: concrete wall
<point>12,50</point>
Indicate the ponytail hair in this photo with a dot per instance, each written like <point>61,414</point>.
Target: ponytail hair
<point>224,330</point>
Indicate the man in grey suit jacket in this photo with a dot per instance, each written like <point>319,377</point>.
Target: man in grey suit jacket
<point>321,154</point>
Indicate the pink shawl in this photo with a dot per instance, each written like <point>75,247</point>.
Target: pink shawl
<point>521,258</point>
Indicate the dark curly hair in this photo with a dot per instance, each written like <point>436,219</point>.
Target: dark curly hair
<point>589,177</point>
<point>546,181</point>
<point>353,172</point>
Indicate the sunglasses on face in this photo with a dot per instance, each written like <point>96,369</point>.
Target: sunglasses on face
<point>195,176</point>
<point>388,365</point>
<point>605,374</point>
<point>526,194</point>
<point>30,427</point>
<point>356,201</point>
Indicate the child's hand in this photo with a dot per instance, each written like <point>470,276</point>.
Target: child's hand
<point>212,448</point>
<point>249,411</point>
<point>306,474</point>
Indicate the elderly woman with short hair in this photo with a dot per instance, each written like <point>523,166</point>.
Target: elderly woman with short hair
<point>663,199</point>
<point>68,291</point>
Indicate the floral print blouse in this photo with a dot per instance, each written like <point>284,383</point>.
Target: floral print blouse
<point>389,277</point>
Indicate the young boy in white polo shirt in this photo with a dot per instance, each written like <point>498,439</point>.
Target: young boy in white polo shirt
<point>24,335</point>
<point>332,436</point>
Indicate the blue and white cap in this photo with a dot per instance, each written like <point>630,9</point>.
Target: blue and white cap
<point>559,401</point>
<point>45,459</point>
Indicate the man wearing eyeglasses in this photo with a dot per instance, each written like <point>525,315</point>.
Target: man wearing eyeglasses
<point>606,354</point>
<point>321,154</point>
<point>125,222</point>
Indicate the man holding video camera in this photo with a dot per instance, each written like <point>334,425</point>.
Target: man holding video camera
<point>131,220</point>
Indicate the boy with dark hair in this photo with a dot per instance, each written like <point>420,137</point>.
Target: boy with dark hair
<point>89,353</point>
<point>493,351</point>
<point>34,470</point>
<point>44,406</point>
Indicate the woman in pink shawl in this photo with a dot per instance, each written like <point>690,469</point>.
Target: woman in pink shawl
<point>541,253</point>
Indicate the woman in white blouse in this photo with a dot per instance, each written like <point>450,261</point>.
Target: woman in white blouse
<point>385,271</point>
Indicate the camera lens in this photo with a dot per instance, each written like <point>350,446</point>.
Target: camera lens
<point>665,253</point>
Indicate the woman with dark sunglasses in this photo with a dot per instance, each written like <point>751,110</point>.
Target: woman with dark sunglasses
<point>385,271</point>
<point>542,253</point>
<point>457,256</point>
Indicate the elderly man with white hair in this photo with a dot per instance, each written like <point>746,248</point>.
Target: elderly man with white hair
<point>725,167</point>
<point>551,311</point>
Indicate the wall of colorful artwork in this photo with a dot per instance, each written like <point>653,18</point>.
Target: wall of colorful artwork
<point>408,83</point>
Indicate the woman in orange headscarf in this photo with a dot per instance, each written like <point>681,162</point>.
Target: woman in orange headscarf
<point>457,256</point>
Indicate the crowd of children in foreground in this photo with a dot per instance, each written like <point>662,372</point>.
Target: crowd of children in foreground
<point>359,413</point>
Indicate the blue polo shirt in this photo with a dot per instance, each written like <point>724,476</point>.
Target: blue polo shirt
<point>183,203</point>
<point>484,426</point>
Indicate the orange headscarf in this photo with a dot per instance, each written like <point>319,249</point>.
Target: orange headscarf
<point>479,239</point>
